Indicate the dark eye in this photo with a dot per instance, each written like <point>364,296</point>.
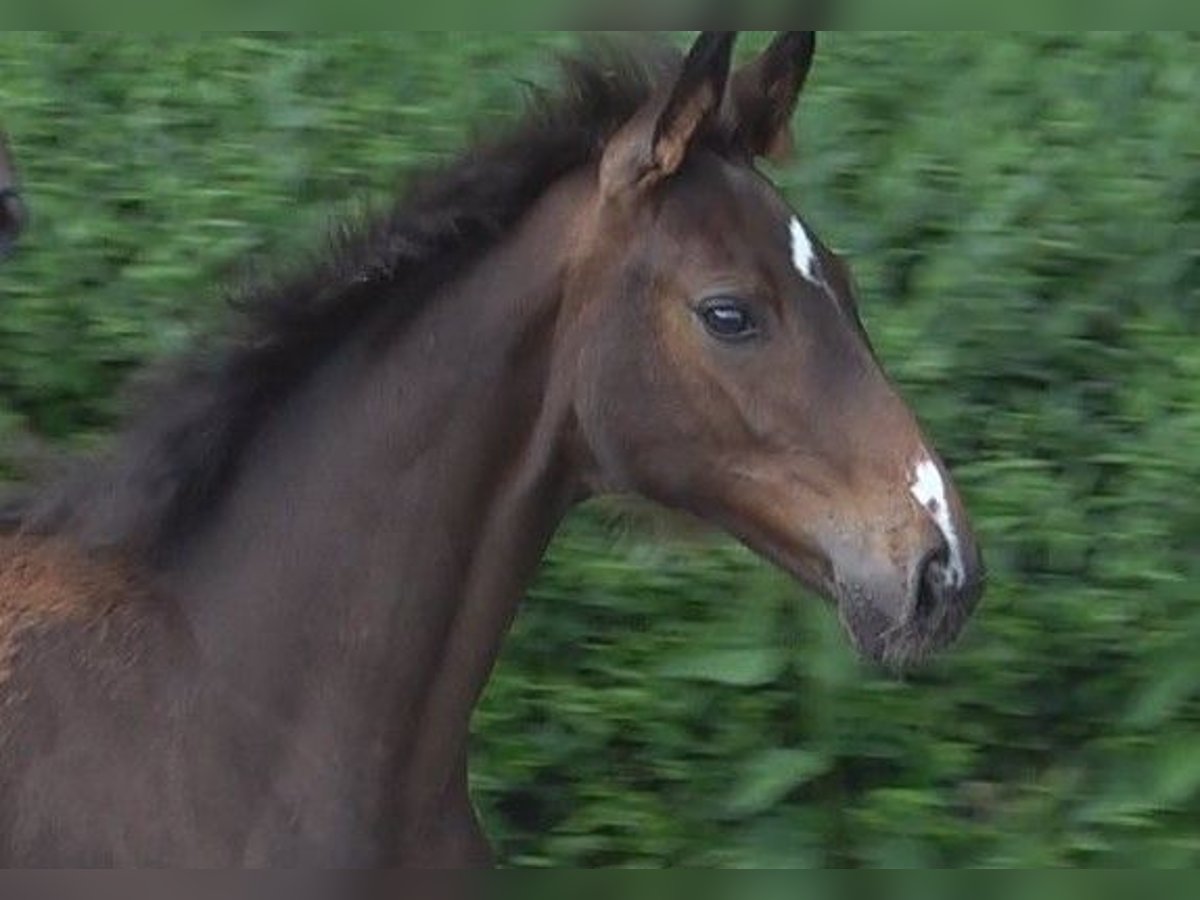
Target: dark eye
<point>728,319</point>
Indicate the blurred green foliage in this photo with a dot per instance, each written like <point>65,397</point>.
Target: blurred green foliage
<point>1023,211</point>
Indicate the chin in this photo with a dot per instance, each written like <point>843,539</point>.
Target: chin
<point>902,642</point>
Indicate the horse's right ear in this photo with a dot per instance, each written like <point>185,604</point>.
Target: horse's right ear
<point>654,146</point>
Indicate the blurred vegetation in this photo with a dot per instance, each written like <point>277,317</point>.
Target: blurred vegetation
<point>1023,211</point>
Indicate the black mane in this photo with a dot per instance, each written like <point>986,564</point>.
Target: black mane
<point>179,454</point>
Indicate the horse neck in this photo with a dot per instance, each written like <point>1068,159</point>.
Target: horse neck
<point>358,580</point>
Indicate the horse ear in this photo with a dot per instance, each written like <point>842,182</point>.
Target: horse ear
<point>655,145</point>
<point>766,92</point>
<point>696,100</point>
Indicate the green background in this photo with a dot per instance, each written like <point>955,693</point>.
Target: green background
<point>1023,213</point>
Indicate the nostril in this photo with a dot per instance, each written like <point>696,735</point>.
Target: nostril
<point>933,580</point>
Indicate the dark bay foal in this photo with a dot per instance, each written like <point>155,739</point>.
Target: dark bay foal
<point>253,634</point>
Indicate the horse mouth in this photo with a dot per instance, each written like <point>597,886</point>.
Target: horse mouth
<point>932,620</point>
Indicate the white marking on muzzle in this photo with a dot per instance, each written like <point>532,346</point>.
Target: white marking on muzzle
<point>804,254</point>
<point>929,490</point>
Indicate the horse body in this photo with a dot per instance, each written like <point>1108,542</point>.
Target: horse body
<point>255,634</point>
<point>393,592</point>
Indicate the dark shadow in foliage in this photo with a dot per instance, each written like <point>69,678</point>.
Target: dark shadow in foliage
<point>13,214</point>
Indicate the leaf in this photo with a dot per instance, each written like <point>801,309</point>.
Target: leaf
<point>745,668</point>
<point>1163,778</point>
<point>1165,697</point>
<point>770,778</point>
<point>1177,778</point>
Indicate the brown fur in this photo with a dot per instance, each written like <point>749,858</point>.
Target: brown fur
<point>49,581</point>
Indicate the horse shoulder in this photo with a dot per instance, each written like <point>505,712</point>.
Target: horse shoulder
<point>47,583</point>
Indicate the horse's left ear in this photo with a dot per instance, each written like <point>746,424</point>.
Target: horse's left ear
<point>766,92</point>
<point>655,144</point>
